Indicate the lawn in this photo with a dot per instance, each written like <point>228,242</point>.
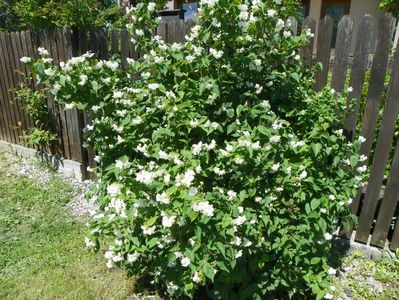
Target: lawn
<point>42,253</point>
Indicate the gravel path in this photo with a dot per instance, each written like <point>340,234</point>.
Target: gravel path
<point>41,174</point>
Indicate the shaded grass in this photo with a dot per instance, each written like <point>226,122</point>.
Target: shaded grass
<point>42,255</point>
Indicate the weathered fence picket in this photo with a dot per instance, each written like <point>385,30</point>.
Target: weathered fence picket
<point>307,52</point>
<point>341,59</point>
<point>323,54</point>
<point>357,75</point>
<point>378,211</point>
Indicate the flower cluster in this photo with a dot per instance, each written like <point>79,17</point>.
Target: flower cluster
<point>218,165</point>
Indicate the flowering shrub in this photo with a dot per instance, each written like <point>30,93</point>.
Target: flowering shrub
<point>218,164</point>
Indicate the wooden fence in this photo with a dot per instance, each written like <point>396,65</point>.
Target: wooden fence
<point>376,204</point>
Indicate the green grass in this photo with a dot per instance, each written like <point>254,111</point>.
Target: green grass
<point>42,254</point>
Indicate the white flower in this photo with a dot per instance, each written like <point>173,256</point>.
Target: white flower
<point>275,138</point>
<point>139,32</point>
<point>166,178</point>
<point>231,194</point>
<point>186,179</point>
<point>363,158</point>
<point>137,121</point>
<point>109,264</point>
<point>265,104</point>
<point>42,51</point>
<point>168,220</point>
<point>211,146</point>
<point>122,165</point>
<point>362,169</point>
<point>83,79</point>
<point>69,106</point>
<point>163,155</point>
<point>185,262</point>
<point>328,236</point>
<point>239,220</point>
<point>148,230</point>
<point>145,177</point>
<point>275,167</point>
<point>332,271</point>
<point>194,123</point>
<point>197,148</point>
<point>117,258</point>
<point>280,25</point>
<point>350,89</point>
<point>323,210</point>
<point>256,145</point>
<point>25,59</point>
<point>362,139</point>
<point>287,34</point>
<point>271,13</point>
<point>118,94</point>
<point>198,169</point>
<point>153,86</point>
<point>151,6</point>
<point>190,58</point>
<point>114,189</point>
<point>49,72</point>
<point>192,191</point>
<point>328,296</point>
<point>258,89</point>
<point>219,171</point>
<point>204,207</point>
<point>113,65</point>
<point>162,198</point>
<point>89,243</point>
<point>132,257</point>
<point>215,53</point>
<point>236,241</point>
<point>303,175</point>
<point>119,140</point>
<point>239,160</point>
<point>196,278</point>
<point>331,197</point>
<point>239,254</point>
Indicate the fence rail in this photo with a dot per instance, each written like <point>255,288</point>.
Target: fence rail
<point>375,114</point>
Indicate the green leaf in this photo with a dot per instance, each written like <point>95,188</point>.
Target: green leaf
<point>316,148</point>
<point>151,243</point>
<point>209,271</point>
<point>314,204</point>
<point>151,221</point>
<point>222,248</point>
<point>315,260</point>
<point>226,222</point>
<point>263,130</point>
<point>230,113</point>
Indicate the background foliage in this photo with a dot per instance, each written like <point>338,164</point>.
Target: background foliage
<point>42,14</point>
<point>391,6</point>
